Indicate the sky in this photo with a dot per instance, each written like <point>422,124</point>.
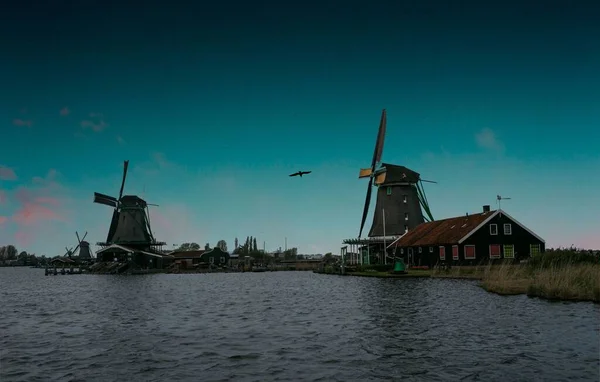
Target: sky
<point>215,104</point>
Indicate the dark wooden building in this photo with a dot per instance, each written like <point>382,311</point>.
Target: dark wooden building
<point>215,257</point>
<point>187,259</point>
<point>468,240</point>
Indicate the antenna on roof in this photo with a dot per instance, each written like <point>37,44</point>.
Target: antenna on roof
<point>499,200</point>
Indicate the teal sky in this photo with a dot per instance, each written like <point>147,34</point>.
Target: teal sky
<point>215,105</point>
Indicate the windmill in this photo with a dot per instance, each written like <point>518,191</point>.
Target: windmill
<point>400,195</point>
<point>499,200</point>
<point>130,224</point>
<point>83,247</point>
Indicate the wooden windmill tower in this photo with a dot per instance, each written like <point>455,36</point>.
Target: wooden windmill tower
<point>401,201</point>
<point>130,223</point>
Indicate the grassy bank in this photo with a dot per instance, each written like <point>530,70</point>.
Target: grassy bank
<point>568,275</point>
<point>555,275</point>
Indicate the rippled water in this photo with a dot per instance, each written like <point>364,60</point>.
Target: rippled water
<point>294,326</point>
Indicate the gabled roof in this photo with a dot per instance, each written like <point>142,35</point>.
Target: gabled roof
<point>446,231</point>
<point>451,231</point>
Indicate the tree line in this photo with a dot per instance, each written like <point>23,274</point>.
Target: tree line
<point>9,254</point>
<point>249,248</point>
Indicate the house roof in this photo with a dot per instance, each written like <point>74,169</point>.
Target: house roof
<point>446,231</point>
<point>451,231</point>
<point>187,254</point>
<point>127,249</point>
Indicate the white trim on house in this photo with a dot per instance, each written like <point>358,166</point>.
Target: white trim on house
<point>442,250</point>
<point>509,228</point>
<point>465,252</point>
<point>457,253</point>
<point>493,225</point>
<point>490,218</point>
<point>499,256</point>
<point>512,247</point>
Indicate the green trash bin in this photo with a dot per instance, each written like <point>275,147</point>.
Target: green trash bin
<point>399,266</point>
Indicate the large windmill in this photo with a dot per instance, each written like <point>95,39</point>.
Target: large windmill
<point>401,201</point>
<point>130,223</point>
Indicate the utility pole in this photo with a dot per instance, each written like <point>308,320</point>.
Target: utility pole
<point>384,246</point>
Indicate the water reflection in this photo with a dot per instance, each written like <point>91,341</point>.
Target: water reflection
<point>284,326</point>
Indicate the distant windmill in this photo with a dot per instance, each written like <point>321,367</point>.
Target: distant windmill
<point>499,200</point>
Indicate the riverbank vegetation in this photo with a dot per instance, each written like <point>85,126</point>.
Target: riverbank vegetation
<point>563,274</point>
<point>557,274</point>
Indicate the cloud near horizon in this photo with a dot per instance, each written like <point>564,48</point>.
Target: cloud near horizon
<point>7,173</point>
<point>22,122</point>
<point>36,204</point>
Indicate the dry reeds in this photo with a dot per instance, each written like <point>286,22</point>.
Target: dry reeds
<point>564,281</point>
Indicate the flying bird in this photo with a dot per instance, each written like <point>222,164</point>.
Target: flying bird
<point>300,173</point>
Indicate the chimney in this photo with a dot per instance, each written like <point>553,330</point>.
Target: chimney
<point>486,208</point>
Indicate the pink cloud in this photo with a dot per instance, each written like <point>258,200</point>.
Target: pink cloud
<point>2,197</point>
<point>38,204</point>
<point>7,173</point>
<point>65,111</point>
<point>32,213</point>
<point>3,219</point>
<point>22,122</point>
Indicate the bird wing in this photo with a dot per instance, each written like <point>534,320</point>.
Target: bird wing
<point>306,172</point>
<point>295,174</point>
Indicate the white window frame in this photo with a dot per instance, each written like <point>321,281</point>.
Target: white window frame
<point>442,252</point>
<point>496,226</point>
<point>406,216</point>
<point>404,199</point>
<point>430,249</point>
<point>420,249</point>
<point>405,229</point>
<point>465,252</point>
<point>402,251</point>
<point>539,249</point>
<point>504,251</point>
<point>509,228</point>
<point>457,253</point>
<point>499,256</point>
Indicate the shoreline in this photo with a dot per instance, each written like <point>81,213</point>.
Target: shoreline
<point>511,281</point>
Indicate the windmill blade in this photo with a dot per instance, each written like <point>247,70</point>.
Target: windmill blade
<point>83,238</point>
<point>105,199</point>
<point>378,152</point>
<point>428,181</point>
<point>78,239</point>
<point>125,166</point>
<point>366,207</point>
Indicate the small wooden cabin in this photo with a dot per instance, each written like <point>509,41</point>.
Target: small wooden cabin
<point>468,240</point>
<point>216,257</point>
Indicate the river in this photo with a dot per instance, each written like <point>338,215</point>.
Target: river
<point>285,326</point>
